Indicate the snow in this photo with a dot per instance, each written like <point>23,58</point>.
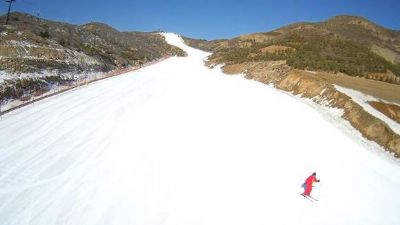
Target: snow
<point>22,44</point>
<point>334,116</point>
<point>79,79</point>
<point>310,71</point>
<point>178,143</point>
<point>24,50</point>
<point>363,99</point>
<point>45,73</point>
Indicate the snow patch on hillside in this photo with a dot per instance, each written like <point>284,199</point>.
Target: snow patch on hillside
<point>363,99</point>
<point>45,73</point>
<point>21,44</point>
<point>28,50</point>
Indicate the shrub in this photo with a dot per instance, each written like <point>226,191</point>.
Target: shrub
<point>62,42</point>
<point>44,34</point>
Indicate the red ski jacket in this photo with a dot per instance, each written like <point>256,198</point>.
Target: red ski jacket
<point>310,180</point>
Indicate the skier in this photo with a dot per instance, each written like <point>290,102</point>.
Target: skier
<point>308,184</point>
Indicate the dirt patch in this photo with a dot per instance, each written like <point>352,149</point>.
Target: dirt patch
<point>386,53</point>
<point>390,110</point>
<point>382,90</point>
<point>234,69</point>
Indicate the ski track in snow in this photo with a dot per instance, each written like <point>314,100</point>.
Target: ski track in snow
<point>178,143</point>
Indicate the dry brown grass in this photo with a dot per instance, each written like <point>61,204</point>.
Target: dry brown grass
<point>382,90</point>
<point>234,68</point>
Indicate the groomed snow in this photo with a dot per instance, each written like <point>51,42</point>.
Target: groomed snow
<point>177,143</point>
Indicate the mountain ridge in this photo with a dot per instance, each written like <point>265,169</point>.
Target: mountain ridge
<point>358,34</point>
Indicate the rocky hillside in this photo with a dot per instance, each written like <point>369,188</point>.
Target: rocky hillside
<point>345,44</point>
<point>42,52</point>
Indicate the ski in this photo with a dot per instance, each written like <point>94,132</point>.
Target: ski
<point>309,199</point>
<point>313,198</point>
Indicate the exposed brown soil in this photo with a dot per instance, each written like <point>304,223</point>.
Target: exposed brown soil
<point>390,110</point>
<point>319,87</point>
<point>234,69</point>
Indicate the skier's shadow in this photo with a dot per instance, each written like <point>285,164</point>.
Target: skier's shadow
<point>304,186</point>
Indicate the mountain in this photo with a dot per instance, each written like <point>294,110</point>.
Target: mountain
<point>100,46</point>
<point>55,50</point>
<point>178,143</point>
<point>347,44</point>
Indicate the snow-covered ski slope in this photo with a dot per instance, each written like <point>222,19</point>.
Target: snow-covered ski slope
<point>177,143</point>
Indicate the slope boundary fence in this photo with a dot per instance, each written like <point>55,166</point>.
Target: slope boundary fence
<point>35,97</point>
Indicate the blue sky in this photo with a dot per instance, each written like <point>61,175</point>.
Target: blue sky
<point>209,19</point>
